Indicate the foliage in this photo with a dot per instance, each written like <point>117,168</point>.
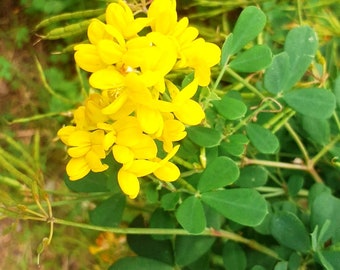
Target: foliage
<point>259,185</point>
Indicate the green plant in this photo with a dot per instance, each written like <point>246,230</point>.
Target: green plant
<point>259,181</point>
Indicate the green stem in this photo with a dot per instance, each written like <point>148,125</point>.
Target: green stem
<point>280,118</point>
<point>184,163</point>
<point>276,164</point>
<point>219,78</point>
<point>10,182</point>
<point>325,149</point>
<point>299,10</point>
<point>244,82</point>
<point>298,141</point>
<point>17,146</point>
<point>283,121</point>
<point>160,231</point>
<point>337,120</point>
<point>247,119</point>
<point>36,117</point>
<point>17,163</point>
<point>185,185</point>
<point>45,83</point>
<point>12,170</point>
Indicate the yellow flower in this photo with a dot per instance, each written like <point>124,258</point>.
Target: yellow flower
<point>201,56</point>
<point>168,171</point>
<point>86,151</point>
<point>129,173</point>
<point>185,109</point>
<point>121,17</point>
<point>163,16</point>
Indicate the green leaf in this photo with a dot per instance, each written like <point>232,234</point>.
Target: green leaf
<point>248,25</point>
<point>300,48</point>
<point>263,140</point>
<point>204,136</point>
<point>289,231</point>
<point>281,266</point>
<point>301,45</point>
<point>315,191</point>
<point>230,108</point>
<point>234,145</point>
<point>170,200</point>
<point>276,75</point>
<point>220,172</point>
<point>329,259</point>
<point>252,176</point>
<point>318,130</point>
<point>190,248</point>
<point>93,182</point>
<point>151,192</point>
<point>139,263</point>
<point>233,256</point>
<point>312,102</point>
<point>226,49</point>
<point>190,215</point>
<point>325,207</point>
<point>294,261</point>
<point>244,206</point>
<point>109,212</point>
<point>295,183</point>
<point>256,58</point>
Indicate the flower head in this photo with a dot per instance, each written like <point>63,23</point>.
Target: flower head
<point>134,110</point>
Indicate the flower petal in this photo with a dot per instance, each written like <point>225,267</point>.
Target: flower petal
<point>108,78</point>
<point>77,168</point>
<point>190,113</point>
<point>122,154</point>
<point>129,183</point>
<point>87,58</point>
<point>168,172</point>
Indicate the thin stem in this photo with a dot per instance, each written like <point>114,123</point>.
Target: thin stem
<point>280,118</point>
<point>299,10</point>
<point>184,163</point>
<point>249,242</point>
<point>36,117</point>
<point>15,172</point>
<point>325,149</point>
<point>45,83</point>
<point>18,163</point>
<point>157,231</point>
<point>220,76</point>
<point>244,82</point>
<point>337,120</point>
<point>245,121</point>
<point>185,185</point>
<point>298,141</point>
<point>276,164</point>
<point>35,213</point>
<point>281,123</point>
<point>18,147</point>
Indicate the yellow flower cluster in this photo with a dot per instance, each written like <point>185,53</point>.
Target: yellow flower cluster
<point>136,106</point>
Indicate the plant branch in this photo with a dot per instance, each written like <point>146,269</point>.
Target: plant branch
<point>325,149</point>
<point>253,89</point>
<point>160,231</point>
<point>276,164</point>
